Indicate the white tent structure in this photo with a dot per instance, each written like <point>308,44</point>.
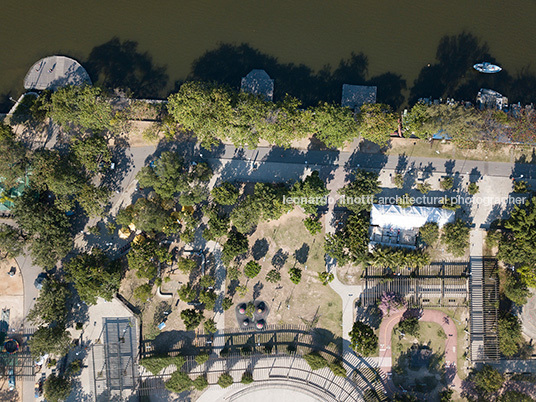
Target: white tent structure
<point>395,217</point>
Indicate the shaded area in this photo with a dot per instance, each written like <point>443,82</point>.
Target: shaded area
<point>453,74</point>
<point>117,64</point>
<point>228,63</point>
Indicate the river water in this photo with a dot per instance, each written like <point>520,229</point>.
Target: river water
<point>396,36</point>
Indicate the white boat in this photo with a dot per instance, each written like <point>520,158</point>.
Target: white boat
<point>486,67</point>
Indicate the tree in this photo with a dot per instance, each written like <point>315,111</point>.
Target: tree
<point>91,152</point>
<point>45,226</point>
<point>167,177</point>
<point>57,388</point>
<point>273,276</point>
<point>429,233</point>
<point>514,396</point>
<point>146,215</point>
<point>179,382</point>
<point>93,199</point>
<point>295,275</point>
<point>84,106</point>
<point>410,326</point>
<point>143,292</point>
<point>487,379</point>
<point>334,125</point>
<point>315,360</point>
<point>351,243</point>
<point>200,383</point>
<point>521,186</point>
<point>11,242</point>
<point>187,293</point>
<point>359,194</point>
<point>424,188</point>
<point>225,380</point>
<point>241,290</point>
<point>363,339</point>
<point>473,188</point>
<point>518,244</point>
<point>51,340</point>
<point>236,244</point>
<point>312,225</point>
<point>207,281</point>
<point>94,275</point>
<point>446,395</point>
<point>191,318</point>
<point>144,257</point>
<point>325,277</point>
<point>210,326</point>
<point>186,265</point>
<point>226,303</point>
<point>225,194</point>
<point>416,122</point>
<point>405,201</point>
<point>310,192</point>
<point>398,180</point>
<point>515,289</point>
<point>456,237</point>
<point>510,337</point>
<point>391,302</point>
<point>252,269</point>
<point>376,122</point>
<point>51,305</point>
<point>208,298</point>
<point>447,183</point>
<point>14,160</point>
<point>218,224</point>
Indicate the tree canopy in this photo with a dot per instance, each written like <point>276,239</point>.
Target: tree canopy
<point>363,339</point>
<point>94,275</point>
<point>376,122</point>
<point>359,194</point>
<point>144,257</point>
<point>510,337</point>
<point>57,388</point>
<point>50,307</point>
<point>456,237</point>
<point>350,243</point>
<point>51,340</point>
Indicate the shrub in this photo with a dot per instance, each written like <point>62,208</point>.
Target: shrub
<point>337,368</point>
<point>247,377</point>
<point>225,380</point>
<point>429,233</point>
<point>312,225</point>
<point>295,275</point>
<point>456,237</point>
<point>273,276</point>
<point>252,269</point>
<point>447,183</point>
<point>200,383</point>
<point>202,358</point>
<point>143,292</point>
<point>473,188</point>
<point>241,290</point>
<point>179,382</point>
<point>492,238</point>
<point>250,309</point>
<point>410,326</point>
<point>75,367</point>
<point>155,364</point>
<point>233,273</point>
<point>315,361</point>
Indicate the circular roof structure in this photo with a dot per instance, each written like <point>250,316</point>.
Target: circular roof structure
<point>54,72</point>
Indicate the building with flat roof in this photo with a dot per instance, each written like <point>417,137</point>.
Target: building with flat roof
<point>258,82</point>
<point>355,96</point>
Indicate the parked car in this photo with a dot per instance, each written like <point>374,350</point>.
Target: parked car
<point>40,279</point>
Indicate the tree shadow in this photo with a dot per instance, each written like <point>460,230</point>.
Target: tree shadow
<point>260,249</point>
<point>302,254</point>
<point>454,76</point>
<point>257,290</point>
<point>279,259</point>
<point>228,63</point>
<point>117,64</point>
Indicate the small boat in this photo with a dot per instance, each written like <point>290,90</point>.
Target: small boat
<point>487,68</point>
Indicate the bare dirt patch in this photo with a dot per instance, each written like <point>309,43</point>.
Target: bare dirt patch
<point>283,244</point>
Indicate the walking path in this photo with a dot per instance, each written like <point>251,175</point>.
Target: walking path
<point>438,317</point>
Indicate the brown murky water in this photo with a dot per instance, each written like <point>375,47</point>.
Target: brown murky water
<point>397,36</point>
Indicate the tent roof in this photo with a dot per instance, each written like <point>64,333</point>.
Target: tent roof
<point>397,217</point>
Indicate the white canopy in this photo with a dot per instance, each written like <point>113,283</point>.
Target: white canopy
<point>393,216</point>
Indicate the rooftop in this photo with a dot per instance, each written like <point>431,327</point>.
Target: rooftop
<point>258,82</point>
<point>354,96</point>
